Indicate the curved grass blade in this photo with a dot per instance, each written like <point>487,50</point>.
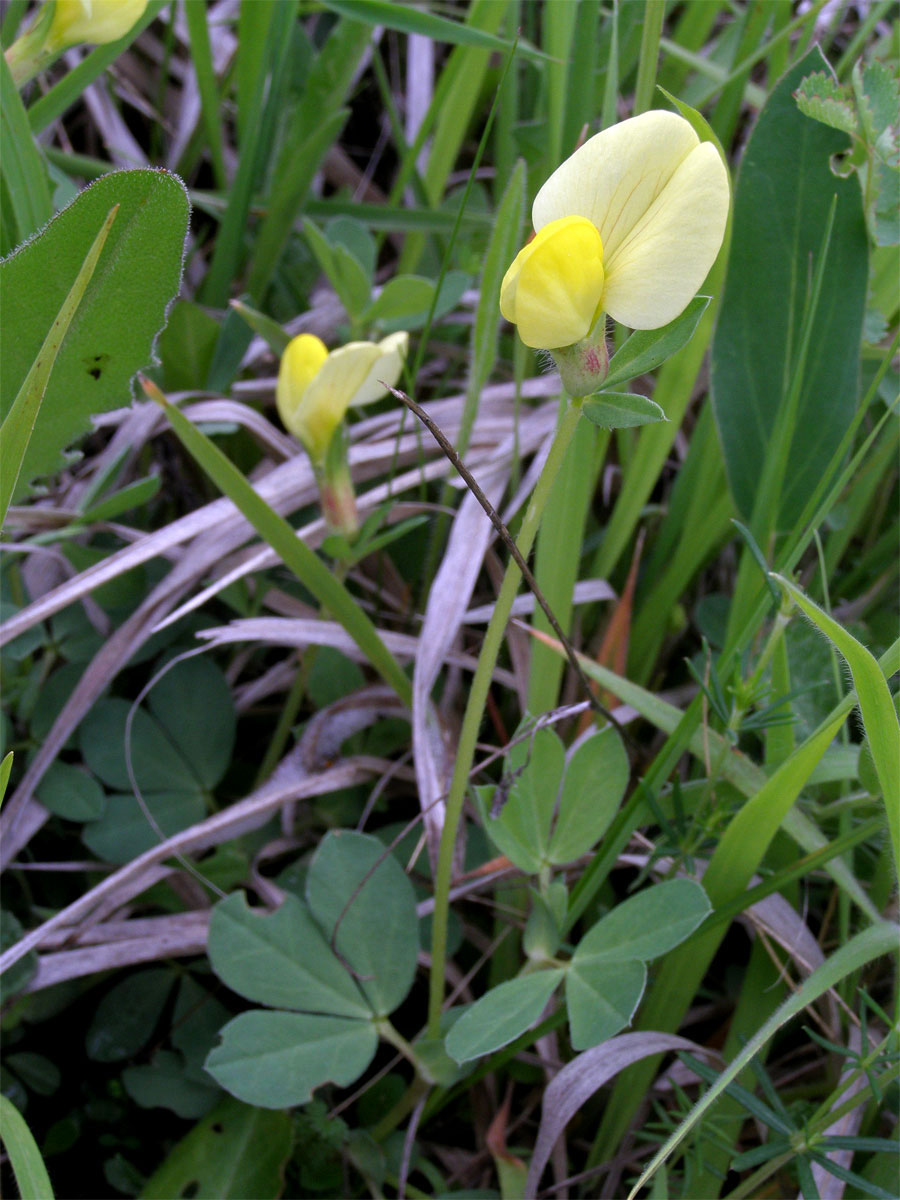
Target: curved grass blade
<point>17,428</point>
<point>875,703</point>
<point>869,944</point>
<point>297,556</point>
<point>27,1164</point>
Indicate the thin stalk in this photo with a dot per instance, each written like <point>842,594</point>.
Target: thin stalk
<point>475,710</point>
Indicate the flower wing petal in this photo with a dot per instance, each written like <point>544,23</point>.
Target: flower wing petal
<point>385,369</point>
<point>553,288</point>
<point>653,273</point>
<point>617,175</point>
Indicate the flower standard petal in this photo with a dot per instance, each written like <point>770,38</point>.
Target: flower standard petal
<point>656,270</point>
<point>616,175</point>
<point>553,288</point>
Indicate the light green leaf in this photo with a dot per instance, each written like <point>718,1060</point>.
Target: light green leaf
<point>601,998</point>
<point>280,958</point>
<point>345,274</point>
<point>521,829</point>
<point>593,787</point>
<point>234,1152</point>
<point>277,1059</point>
<point>647,924</point>
<point>5,768</point>
<point>501,1015</point>
<point>402,296</point>
<point>363,900</point>
<point>821,97</point>
<point>648,348</point>
<point>28,1167</point>
<point>120,314</point>
<point>621,410</point>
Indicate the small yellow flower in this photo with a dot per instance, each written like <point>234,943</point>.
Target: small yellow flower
<point>95,21</point>
<point>629,225</point>
<point>316,388</point>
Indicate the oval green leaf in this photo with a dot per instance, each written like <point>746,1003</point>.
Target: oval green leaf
<point>357,887</point>
<point>277,1059</point>
<point>280,958</point>
<point>500,1016</point>
<point>621,410</point>
<point>122,310</point>
<point>645,925</point>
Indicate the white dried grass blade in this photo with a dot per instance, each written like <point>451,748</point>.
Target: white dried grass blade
<point>585,1075</point>
<point>448,597</point>
<point>301,632</point>
<point>239,818</point>
<point>174,936</point>
<point>587,591</point>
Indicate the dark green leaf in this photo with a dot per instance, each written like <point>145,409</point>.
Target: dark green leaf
<point>280,958</point>
<point>234,1152</point>
<point>277,1059</point>
<point>783,200</point>
<point>362,899</point>
<point>499,1017</point>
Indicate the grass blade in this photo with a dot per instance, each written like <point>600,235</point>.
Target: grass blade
<point>871,943</point>
<point>27,1164</point>
<point>297,556</point>
<point>15,433</point>
<point>875,703</point>
<point>24,177</point>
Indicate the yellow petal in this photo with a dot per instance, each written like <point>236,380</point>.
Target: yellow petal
<point>656,270</point>
<point>95,21</point>
<point>300,363</point>
<point>553,289</point>
<point>331,392</point>
<point>615,176</point>
<point>386,369</point>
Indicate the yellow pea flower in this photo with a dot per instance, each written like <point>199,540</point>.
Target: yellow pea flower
<point>315,387</point>
<point>629,225</point>
<point>96,21</point>
<point>66,23</point>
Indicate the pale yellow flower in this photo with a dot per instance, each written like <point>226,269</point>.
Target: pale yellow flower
<point>629,225</point>
<point>95,21</point>
<point>315,387</point>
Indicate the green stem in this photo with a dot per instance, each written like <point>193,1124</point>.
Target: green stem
<point>475,710</point>
<point>654,12</point>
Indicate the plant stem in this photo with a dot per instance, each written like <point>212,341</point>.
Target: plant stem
<point>475,710</point>
<point>654,12</point>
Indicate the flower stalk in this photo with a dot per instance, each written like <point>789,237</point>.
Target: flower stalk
<point>478,692</point>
